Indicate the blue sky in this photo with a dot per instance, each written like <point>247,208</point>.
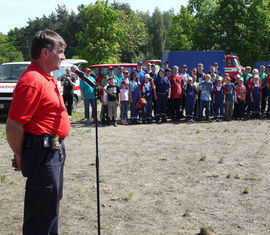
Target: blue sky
<point>15,13</point>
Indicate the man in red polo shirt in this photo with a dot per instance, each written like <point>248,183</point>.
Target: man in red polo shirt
<point>177,82</point>
<point>37,124</point>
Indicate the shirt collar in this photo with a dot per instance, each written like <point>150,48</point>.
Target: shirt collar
<point>41,71</point>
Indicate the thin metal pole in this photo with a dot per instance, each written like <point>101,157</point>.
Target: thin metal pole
<point>97,162</point>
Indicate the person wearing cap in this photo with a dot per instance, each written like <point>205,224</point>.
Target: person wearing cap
<point>191,91</point>
<point>140,71</point>
<point>206,88</point>
<point>255,96</point>
<point>148,91</point>
<point>240,98</point>
<point>177,83</point>
<point>134,96</point>
<point>229,98</point>
<point>88,96</point>
<point>219,92</point>
<point>125,78</point>
<point>263,77</point>
<point>163,89</point>
<point>68,83</point>
<point>216,69</point>
<point>111,74</point>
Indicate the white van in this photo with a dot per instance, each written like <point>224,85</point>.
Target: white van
<point>11,72</point>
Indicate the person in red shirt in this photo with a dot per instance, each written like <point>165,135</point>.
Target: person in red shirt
<point>177,82</point>
<point>240,98</point>
<point>36,126</point>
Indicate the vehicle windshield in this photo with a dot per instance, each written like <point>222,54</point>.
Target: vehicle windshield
<point>11,72</point>
<point>236,62</point>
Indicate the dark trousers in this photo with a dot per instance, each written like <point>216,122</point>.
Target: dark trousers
<point>44,186</point>
<point>219,109</point>
<point>264,98</point>
<point>175,108</point>
<point>240,109</point>
<point>190,108</point>
<point>206,105</point>
<point>161,106</point>
<point>68,100</point>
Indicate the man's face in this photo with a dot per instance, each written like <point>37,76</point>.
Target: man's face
<point>262,70</point>
<point>111,71</point>
<point>200,68</point>
<point>175,71</point>
<point>120,70</point>
<point>55,57</point>
<point>248,70</point>
<point>213,69</point>
<point>184,70</point>
<point>87,72</point>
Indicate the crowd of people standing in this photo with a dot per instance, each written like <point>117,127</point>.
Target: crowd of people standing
<point>153,94</point>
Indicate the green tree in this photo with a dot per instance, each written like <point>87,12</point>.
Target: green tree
<point>180,34</point>
<point>133,36</point>
<point>100,33</point>
<point>8,53</point>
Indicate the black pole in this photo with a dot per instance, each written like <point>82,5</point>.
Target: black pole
<point>97,162</point>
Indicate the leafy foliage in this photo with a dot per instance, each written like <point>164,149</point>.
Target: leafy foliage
<point>108,33</point>
<point>7,51</point>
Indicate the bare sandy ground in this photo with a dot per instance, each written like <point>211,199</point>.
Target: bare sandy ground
<point>157,179</point>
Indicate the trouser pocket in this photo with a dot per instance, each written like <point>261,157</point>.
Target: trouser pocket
<point>28,162</point>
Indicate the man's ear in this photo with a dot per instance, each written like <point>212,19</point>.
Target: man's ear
<point>44,51</point>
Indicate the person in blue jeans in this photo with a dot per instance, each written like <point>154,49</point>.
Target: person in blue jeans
<point>134,96</point>
<point>88,95</point>
<point>163,90</point>
<point>206,88</point>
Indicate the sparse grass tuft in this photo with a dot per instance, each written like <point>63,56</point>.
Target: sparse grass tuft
<point>237,177</point>
<point>246,191</point>
<point>124,198</point>
<point>198,131</point>
<point>205,230</point>
<point>3,179</point>
<point>187,213</point>
<point>226,130</point>
<point>203,158</point>
<point>229,176</point>
<point>221,160</point>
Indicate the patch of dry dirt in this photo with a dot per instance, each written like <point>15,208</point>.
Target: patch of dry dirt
<point>157,179</point>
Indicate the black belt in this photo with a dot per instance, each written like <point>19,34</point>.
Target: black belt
<point>45,139</point>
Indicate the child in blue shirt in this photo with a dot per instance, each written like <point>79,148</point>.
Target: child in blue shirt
<point>206,88</point>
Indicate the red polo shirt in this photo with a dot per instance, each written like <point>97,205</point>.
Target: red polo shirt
<point>38,105</point>
<point>177,82</point>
